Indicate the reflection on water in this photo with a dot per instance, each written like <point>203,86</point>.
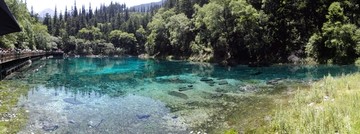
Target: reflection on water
<point>113,75</point>
<point>130,95</point>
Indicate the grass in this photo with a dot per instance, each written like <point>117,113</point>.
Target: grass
<point>329,106</point>
<point>12,118</point>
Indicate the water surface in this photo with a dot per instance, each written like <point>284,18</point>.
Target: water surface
<point>130,95</point>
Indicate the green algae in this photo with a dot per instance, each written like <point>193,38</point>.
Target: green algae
<point>12,117</point>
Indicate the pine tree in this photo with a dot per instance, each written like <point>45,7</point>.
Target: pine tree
<point>66,16</point>
<point>47,22</point>
<point>32,11</point>
<point>90,16</point>
<point>75,11</point>
<point>127,16</point>
<point>185,6</point>
<point>56,26</point>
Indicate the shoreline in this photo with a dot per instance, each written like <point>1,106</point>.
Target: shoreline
<point>165,58</point>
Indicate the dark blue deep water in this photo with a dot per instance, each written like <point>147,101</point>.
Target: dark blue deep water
<point>131,95</point>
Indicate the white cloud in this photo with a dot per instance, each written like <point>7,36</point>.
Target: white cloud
<point>40,5</point>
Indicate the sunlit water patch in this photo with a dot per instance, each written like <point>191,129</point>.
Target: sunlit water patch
<point>130,95</point>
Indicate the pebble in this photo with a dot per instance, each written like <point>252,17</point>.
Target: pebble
<point>223,82</point>
<point>50,128</point>
<point>274,81</point>
<point>217,95</point>
<point>206,79</point>
<point>145,116</point>
<point>220,90</point>
<point>247,88</point>
<point>71,122</point>
<point>178,94</point>
<point>174,117</point>
<point>185,88</point>
<point>73,101</point>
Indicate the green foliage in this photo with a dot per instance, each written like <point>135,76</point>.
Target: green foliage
<point>95,25</point>
<point>232,29</point>
<point>86,47</point>
<point>90,33</point>
<point>338,41</point>
<point>32,34</point>
<point>141,37</point>
<point>224,31</point>
<point>42,37</point>
<point>158,40</point>
<point>211,16</point>
<point>186,7</point>
<point>8,41</point>
<point>248,23</point>
<point>357,61</point>
<point>123,40</point>
<point>210,21</point>
<point>179,30</point>
<point>336,13</point>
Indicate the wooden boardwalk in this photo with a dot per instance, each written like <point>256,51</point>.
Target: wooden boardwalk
<point>10,62</point>
<point>9,57</point>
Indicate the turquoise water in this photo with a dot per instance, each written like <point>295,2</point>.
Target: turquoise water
<point>130,95</point>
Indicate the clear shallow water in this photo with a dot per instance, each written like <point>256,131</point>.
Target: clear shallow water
<point>130,95</point>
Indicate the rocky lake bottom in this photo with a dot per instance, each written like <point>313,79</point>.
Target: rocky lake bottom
<point>129,95</point>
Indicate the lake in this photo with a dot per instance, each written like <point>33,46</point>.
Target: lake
<point>131,95</point>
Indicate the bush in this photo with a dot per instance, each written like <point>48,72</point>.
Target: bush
<point>339,41</point>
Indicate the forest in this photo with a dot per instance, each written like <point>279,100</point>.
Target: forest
<point>229,32</point>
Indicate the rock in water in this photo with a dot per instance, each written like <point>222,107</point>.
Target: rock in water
<point>145,116</point>
<point>178,94</point>
<point>181,89</point>
<point>223,82</point>
<point>220,90</point>
<point>174,117</point>
<point>50,128</point>
<point>72,101</point>
<point>95,123</point>
<point>256,73</point>
<point>248,88</point>
<point>206,79</point>
<point>274,81</point>
<point>217,95</point>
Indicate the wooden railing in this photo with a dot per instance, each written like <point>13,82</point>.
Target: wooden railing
<point>11,56</point>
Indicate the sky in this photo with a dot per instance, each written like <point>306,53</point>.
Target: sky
<point>40,5</point>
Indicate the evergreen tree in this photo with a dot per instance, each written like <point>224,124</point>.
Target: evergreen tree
<point>186,7</point>
<point>47,22</point>
<point>56,26</point>
<point>66,14</point>
<point>75,11</point>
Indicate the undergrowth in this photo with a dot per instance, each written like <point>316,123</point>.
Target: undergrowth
<point>12,118</point>
<point>330,106</point>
